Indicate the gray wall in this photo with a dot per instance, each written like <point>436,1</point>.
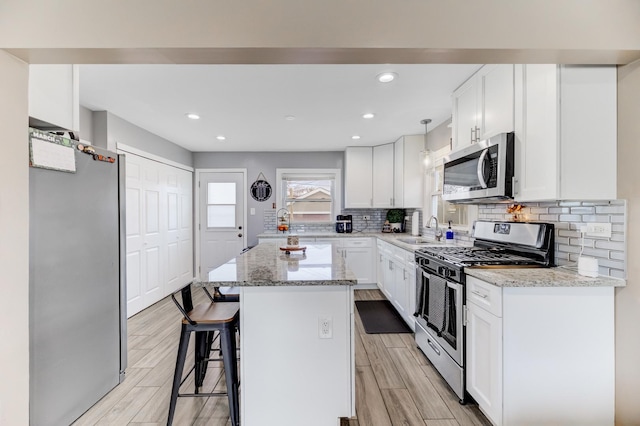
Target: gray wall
<point>109,129</point>
<point>440,136</point>
<point>267,163</point>
<point>86,124</point>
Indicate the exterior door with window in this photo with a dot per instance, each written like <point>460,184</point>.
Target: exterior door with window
<point>222,233</point>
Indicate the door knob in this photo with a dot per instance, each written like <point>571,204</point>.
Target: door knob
<point>239,235</point>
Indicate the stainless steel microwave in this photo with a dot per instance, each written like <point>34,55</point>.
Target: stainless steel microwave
<point>480,173</point>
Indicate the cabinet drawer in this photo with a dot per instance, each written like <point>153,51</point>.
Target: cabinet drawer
<point>356,242</point>
<point>485,295</point>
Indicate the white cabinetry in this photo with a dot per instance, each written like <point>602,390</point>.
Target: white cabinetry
<point>565,128</point>
<point>533,347</point>
<point>484,346</point>
<point>408,177</point>
<point>358,177</point>
<point>383,175</point>
<point>396,279</point>
<point>54,95</point>
<point>358,255</point>
<point>483,106</point>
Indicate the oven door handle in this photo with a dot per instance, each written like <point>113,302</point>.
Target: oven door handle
<point>480,170</point>
<point>454,286</point>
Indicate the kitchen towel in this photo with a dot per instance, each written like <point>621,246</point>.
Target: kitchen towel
<point>415,223</point>
<point>437,304</point>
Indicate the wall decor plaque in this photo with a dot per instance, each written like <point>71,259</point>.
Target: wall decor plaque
<point>261,189</point>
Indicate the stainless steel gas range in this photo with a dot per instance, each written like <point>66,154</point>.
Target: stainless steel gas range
<point>440,286</point>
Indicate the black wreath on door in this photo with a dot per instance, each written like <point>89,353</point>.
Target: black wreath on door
<point>261,189</point>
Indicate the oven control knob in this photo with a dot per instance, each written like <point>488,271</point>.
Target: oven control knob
<point>445,272</point>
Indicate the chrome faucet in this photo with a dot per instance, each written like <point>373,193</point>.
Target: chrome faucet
<point>438,233</point>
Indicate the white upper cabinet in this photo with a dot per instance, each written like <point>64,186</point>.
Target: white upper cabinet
<point>408,172</point>
<point>565,128</point>
<point>358,177</point>
<point>464,121</point>
<point>54,95</point>
<point>483,105</point>
<point>383,176</point>
<point>495,85</point>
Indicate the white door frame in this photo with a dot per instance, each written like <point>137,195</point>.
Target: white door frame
<point>196,208</point>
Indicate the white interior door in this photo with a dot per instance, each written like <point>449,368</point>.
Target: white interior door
<point>144,239</point>
<point>159,230</point>
<point>179,188</point>
<point>222,205</point>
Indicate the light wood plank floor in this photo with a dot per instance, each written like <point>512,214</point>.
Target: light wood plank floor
<point>395,383</point>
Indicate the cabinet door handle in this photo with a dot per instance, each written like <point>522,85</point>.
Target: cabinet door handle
<point>404,274</point>
<point>477,134</point>
<point>477,293</point>
<point>391,201</point>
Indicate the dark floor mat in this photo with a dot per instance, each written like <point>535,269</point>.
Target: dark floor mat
<point>379,316</point>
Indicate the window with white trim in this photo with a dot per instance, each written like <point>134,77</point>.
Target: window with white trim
<point>309,195</point>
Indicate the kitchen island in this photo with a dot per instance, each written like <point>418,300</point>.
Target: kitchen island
<point>297,334</point>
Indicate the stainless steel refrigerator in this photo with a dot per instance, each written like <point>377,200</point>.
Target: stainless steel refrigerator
<point>77,307</point>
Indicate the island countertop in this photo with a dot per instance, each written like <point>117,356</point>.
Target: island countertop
<point>267,265</point>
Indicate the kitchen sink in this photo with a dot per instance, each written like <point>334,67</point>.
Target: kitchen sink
<point>418,241</point>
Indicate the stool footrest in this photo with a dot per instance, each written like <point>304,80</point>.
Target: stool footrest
<point>203,394</point>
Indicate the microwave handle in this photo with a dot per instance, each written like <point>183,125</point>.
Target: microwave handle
<point>481,161</point>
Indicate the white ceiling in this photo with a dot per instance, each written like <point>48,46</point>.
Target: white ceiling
<point>248,103</point>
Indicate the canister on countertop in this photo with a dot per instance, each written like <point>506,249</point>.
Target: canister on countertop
<point>415,223</point>
<point>293,241</point>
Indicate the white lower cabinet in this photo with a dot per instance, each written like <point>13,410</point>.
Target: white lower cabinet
<point>358,255</point>
<point>541,355</point>
<point>396,279</point>
<point>484,360</point>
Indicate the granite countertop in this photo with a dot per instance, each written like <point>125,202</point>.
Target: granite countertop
<point>393,238</point>
<point>541,277</point>
<point>267,265</point>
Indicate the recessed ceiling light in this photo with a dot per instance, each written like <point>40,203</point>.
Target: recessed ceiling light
<point>289,117</point>
<point>368,115</point>
<point>192,116</point>
<point>386,77</point>
<point>220,138</point>
<point>355,137</point>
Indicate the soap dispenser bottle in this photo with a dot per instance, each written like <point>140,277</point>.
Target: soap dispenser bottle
<point>449,234</point>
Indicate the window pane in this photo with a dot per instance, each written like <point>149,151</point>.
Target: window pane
<point>445,211</point>
<point>309,200</point>
<point>221,216</point>
<point>221,193</point>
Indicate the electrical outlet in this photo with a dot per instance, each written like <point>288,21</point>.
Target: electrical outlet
<point>599,230</point>
<point>325,327</point>
<point>366,217</point>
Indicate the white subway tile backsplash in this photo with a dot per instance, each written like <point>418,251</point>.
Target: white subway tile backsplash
<point>583,210</point>
<point>554,210</point>
<point>568,217</point>
<point>610,209</point>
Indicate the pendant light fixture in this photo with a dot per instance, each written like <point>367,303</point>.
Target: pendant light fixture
<point>426,154</point>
